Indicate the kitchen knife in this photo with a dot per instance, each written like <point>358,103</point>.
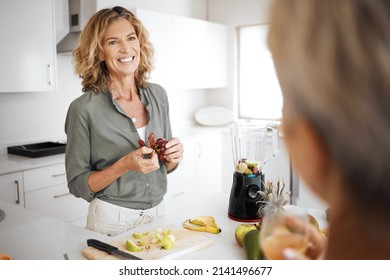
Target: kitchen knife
<point>111,249</point>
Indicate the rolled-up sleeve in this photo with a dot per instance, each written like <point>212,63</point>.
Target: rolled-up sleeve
<point>168,122</point>
<point>78,154</point>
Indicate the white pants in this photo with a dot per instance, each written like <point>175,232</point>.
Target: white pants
<point>111,219</point>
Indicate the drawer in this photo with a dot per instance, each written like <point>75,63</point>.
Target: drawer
<point>57,202</point>
<point>11,188</point>
<point>178,198</point>
<point>44,177</point>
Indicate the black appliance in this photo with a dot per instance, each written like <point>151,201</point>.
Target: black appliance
<point>249,144</point>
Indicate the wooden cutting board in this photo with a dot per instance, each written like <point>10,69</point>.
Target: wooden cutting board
<point>186,242</point>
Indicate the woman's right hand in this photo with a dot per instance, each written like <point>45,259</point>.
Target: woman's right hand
<point>137,162</point>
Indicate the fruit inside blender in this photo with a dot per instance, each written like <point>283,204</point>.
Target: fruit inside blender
<point>247,166</point>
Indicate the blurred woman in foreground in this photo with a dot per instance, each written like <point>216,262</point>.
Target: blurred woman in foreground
<point>333,61</point>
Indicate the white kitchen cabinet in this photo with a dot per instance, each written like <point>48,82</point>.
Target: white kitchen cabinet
<point>11,188</point>
<point>209,164</point>
<point>189,53</point>
<point>28,46</point>
<point>182,182</point>
<point>57,202</point>
<point>43,177</point>
<point>200,49</point>
<point>199,173</point>
<point>216,56</point>
<point>46,192</point>
<point>186,171</point>
<point>160,29</point>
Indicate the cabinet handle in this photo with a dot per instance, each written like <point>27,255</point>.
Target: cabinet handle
<point>199,150</point>
<point>178,194</point>
<point>17,201</point>
<point>60,195</point>
<point>58,175</point>
<point>50,74</point>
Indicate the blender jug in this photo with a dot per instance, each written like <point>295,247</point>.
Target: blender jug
<point>252,145</point>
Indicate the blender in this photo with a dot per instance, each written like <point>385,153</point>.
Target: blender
<point>250,143</point>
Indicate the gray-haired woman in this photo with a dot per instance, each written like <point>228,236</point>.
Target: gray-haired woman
<point>333,61</point>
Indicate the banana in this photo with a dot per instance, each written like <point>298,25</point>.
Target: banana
<point>197,222</point>
<point>187,224</point>
<point>202,223</point>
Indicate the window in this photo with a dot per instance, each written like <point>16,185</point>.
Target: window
<point>259,93</point>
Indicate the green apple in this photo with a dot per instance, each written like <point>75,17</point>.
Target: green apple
<point>137,235</point>
<point>240,232</point>
<point>167,242</point>
<point>131,246</point>
<point>141,242</point>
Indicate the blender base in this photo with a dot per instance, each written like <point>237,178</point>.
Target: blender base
<point>242,220</point>
<point>243,202</point>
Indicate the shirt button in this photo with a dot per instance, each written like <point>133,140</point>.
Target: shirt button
<point>147,184</point>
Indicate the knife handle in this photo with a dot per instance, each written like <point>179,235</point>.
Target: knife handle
<point>101,245</point>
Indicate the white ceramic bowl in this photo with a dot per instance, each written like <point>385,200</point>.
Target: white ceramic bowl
<point>214,116</point>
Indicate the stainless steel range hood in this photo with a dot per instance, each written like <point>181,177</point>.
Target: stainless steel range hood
<point>79,13</point>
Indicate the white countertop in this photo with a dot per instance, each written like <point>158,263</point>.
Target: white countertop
<point>27,235</point>
<point>224,247</point>
<point>13,163</point>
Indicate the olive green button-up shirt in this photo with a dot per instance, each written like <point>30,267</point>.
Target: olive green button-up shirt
<point>99,133</point>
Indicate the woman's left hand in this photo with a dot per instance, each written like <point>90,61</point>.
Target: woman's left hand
<point>174,152</point>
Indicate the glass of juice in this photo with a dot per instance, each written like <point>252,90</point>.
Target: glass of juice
<point>287,227</point>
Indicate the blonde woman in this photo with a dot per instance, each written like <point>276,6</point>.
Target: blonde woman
<point>333,61</point>
<point>105,164</point>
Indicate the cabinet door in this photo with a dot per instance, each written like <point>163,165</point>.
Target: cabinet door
<point>186,171</point>
<point>57,202</point>
<point>11,188</point>
<point>200,49</point>
<point>189,45</point>
<point>46,191</point>
<point>215,55</point>
<point>182,182</point>
<point>28,46</point>
<point>189,53</point>
<point>160,29</point>
<point>209,164</point>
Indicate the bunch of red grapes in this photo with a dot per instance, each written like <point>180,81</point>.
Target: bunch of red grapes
<point>157,145</point>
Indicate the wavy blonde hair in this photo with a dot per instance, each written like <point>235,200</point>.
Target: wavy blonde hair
<point>87,54</point>
<point>333,62</point>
